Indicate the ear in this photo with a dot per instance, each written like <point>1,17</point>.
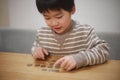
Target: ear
<point>73,10</point>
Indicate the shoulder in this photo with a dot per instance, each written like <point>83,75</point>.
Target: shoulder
<point>44,30</point>
<point>82,27</point>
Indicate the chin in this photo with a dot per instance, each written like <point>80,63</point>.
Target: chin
<point>59,32</point>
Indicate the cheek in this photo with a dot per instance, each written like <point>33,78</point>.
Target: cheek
<point>66,21</point>
<point>48,23</point>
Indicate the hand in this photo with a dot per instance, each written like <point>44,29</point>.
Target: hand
<point>67,63</point>
<point>40,53</point>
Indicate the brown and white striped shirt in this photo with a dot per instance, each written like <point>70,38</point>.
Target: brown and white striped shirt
<point>80,41</point>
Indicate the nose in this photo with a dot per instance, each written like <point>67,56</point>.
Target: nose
<point>54,23</point>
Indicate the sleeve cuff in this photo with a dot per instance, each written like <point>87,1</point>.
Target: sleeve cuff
<point>80,60</point>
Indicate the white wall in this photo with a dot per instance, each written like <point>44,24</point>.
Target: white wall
<point>23,14</point>
<point>4,13</point>
<point>104,15</point>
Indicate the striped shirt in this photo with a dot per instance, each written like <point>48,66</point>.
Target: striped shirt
<point>80,41</point>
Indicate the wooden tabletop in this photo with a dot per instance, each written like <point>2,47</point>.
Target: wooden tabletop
<point>17,66</point>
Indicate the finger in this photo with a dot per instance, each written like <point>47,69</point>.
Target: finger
<point>38,53</point>
<point>34,54</point>
<point>58,62</point>
<point>45,51</point>
<point>64,63</point>
<point>67,65</point>
<point>41,53</point>
<point>70,67</point>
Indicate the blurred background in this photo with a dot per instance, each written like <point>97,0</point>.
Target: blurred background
<point>104,15</point>
<point>19,20</point>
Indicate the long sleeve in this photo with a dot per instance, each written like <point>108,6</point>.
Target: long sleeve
<point>45,39</point>
<point>36,42</point>
<point>81,42</point>
<point>96,53</point>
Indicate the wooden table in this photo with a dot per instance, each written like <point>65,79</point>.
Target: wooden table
<point>13,66</point>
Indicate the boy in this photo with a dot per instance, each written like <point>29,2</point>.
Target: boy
<point>64,36</point>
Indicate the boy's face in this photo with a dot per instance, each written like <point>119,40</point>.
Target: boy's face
<point>58,21</point>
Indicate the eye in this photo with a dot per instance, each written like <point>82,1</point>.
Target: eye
<point>46,18</point>
<point>59,17</point>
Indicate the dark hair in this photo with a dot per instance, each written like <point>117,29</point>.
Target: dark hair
<point>45,5</point>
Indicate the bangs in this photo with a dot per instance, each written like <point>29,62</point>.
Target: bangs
<point>46,5</point>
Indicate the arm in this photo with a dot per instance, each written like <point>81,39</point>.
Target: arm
<point>96,53</point>
<point>37,50</point>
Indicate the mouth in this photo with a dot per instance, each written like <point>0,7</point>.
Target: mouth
<point>57,28</point>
